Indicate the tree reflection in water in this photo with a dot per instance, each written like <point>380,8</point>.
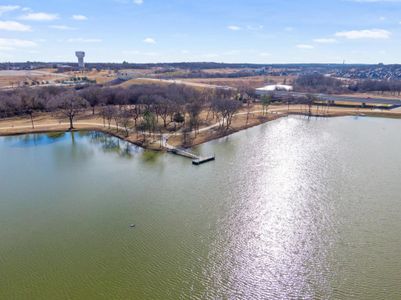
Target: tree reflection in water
<point>111,144</point>
<point>150,156</point>
<point>29,140</point>
<point>107,143</point>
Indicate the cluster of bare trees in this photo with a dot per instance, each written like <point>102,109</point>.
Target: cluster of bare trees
<point>318,83</point>
<point>381,86</point>
<point>146,108</point>
<point>25,101</point>
<point>225,110</point>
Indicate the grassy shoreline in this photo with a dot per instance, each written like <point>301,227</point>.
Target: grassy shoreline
<point>88,123</point>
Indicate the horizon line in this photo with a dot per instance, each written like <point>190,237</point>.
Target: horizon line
<point>200,62</point>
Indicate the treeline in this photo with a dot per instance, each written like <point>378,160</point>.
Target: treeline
<point>382,86</point>
<point>318,83</point>
<point>147,108</point>
<point>126,65</point>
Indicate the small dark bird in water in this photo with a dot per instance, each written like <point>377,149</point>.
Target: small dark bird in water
<point>132,225</point>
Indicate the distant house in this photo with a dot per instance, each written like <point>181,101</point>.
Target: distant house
<point>276,87</point>
<point>64,68</point>
<point>127,74</point>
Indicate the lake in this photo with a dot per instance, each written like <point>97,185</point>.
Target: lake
<point>296,208</point>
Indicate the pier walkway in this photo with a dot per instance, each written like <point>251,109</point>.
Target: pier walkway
<point>196,159</point>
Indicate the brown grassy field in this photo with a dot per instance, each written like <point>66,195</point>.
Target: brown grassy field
<point>140,81</point>
<point>101,77</point>
<point>15,78</point>
<point>252,82</point>
<point>222,71</point>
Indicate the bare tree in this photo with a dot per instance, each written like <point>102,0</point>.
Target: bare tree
<point>29,103</point>
<point>226,108</point>
<point>194,109</point>
<point>69,104</point>
<point>125,120</point>
<point>92,95</point>
<point>265,100</point>
<point>136,113</point>
<point>310,100</point>
<point>163,109</point>
<point>108,113</point>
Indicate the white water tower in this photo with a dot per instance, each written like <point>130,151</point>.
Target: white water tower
<point>80,55</point>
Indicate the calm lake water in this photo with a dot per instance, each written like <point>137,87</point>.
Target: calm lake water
<point>292,209</point>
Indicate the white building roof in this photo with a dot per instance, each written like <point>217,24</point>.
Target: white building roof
<point>276,87</point>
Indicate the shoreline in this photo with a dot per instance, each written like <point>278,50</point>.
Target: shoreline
<point>204,137</point>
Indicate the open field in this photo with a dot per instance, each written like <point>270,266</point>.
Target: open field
<point>252,82</point>
<point>11,78</point>
<point>139,81</point>
<point>101,77</point>
<point>223,70</point>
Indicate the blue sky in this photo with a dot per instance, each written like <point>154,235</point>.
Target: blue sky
<point>252,31</point>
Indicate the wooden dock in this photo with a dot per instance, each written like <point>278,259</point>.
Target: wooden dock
<point>196,160</point>
<point>202,160</point>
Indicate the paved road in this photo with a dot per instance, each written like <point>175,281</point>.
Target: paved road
<point>326,97</point>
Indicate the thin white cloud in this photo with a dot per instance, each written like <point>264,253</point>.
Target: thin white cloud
<point>84,40</point>
<point>14,26</point>
<point>364,34</point>
<point>8,8</point>
<point>325,41</point>
<point>39,17</point>
<point>234,27</point>
<point>149,40</point>
<point>11,44</point>
<point>254,28</point>
<point>80,17</point>
<point>138,2</point>
<point>305,46</point>
<point>62,27</point>
<point>265,54</point>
